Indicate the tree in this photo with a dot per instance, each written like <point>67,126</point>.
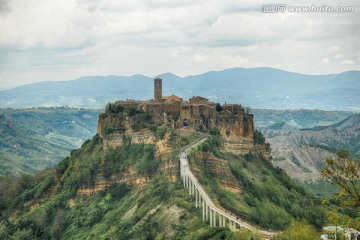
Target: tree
<point>258,138</point>
<point>345,172</point>
<point>298,230</point>
<point>219,108</point>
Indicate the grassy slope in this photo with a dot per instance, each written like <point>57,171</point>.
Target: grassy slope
<point>33,139</point>
<point>269,198</point>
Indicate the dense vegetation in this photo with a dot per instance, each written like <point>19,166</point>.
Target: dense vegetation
<point>46,205</point>
<point>33,139</point>
<point>269,198</point>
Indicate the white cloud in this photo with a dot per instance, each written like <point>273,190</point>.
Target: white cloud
<point>325,61</point>
<point>339,56</point>
<point>73,38</point>
<point>333,49</point>
<point>347,61</point>
<point>229,61</point>
<point>199,59</point>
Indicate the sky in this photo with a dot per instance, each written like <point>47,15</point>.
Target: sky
<point>63,40</point>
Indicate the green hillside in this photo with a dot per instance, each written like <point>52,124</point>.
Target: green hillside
<point>41,207</point>
<point>48,205</point>
<point>134,191</point>
<point>268,197</point>
<point>33,139</point>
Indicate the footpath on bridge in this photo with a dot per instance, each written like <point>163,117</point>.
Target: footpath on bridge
<point>211,213</point>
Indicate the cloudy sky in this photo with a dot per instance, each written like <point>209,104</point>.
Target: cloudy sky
<point>61,40</point>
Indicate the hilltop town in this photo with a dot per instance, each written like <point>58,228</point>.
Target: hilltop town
<point>198,113</point>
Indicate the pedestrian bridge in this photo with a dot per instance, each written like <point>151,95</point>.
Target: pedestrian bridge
<point>214,215</point>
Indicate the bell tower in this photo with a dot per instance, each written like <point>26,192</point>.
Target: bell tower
<point>158,89</point>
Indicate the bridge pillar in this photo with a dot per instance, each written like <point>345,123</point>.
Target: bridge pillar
<point>210,218</point>
<point>188,181</point>
<point>196,198</point>
<point>181,169</point>
<point>214,219</point>
<point>233,226</point>
<point>220,218</point>
<point>203,208</point>
<point>190,187</point>
<point>193,188</point>
<point>184,180</point>
<point>207,212</point>
<point>224,221</point>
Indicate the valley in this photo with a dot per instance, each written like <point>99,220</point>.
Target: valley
<point>301,152</point>
<point>34,139</point>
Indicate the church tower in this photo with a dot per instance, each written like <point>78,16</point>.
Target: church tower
<point>158,89</point>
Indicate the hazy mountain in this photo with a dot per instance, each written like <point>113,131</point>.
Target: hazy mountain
<point>256,87</point>
<point>301,153</point>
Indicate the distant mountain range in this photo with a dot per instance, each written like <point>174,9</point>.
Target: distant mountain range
<point>255,87</point>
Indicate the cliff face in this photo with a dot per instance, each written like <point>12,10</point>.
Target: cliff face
<point>238,133</point>
<point>116,139</point>
<point>220,170</point>
<point>236,127</point>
